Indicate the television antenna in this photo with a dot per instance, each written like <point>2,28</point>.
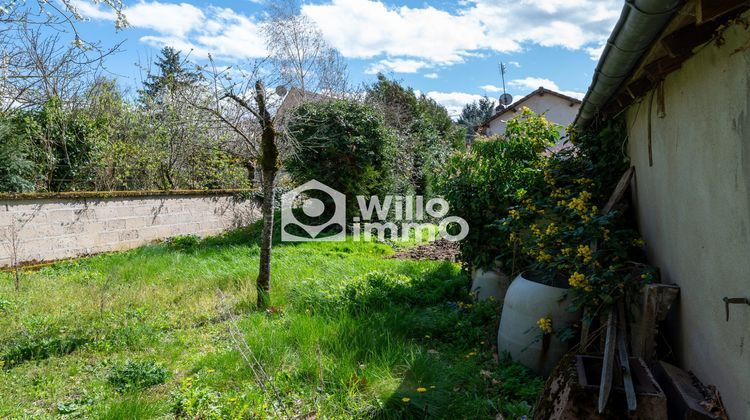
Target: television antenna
<point>506,98</point>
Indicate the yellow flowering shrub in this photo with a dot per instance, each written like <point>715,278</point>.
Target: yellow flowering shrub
<point>557,228</point>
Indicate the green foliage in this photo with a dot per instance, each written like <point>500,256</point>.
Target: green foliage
<point>184,243</point>
<point>339,358</point>
<point>425,133</point>
<point>482,183</point>
<point>475,114</point>
<point>134,375</point>
<point>344,145</point>
<point>173,74</point>
<point>106,143</point>
<point>76,407</point>
<point>41,343</point>
<point>195,401</point>
<point>554,226</point>
<point>132,406</point>
<point>16,168</point>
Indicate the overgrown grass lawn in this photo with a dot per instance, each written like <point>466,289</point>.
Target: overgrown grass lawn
<point>171,330</point>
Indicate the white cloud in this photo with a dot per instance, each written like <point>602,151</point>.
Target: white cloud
<point>453,101</point>
<point>165,18</point>
<point>213,30</point>
<point>431,76</point>
<point>515,64</point>
<point>92,11</point>
<point>397,65</point>
<point>491,88</point>
<point>596,52</point>
<point>404,39</point>
<point>533,83</point>
<point>369,28</point>
<point>365,29</point>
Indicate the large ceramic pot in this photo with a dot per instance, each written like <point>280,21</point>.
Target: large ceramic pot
<point>528,299</point>
<point>489,284</point>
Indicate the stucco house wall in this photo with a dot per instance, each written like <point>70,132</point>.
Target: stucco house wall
<point>556,109</point>
<point>693,208</point>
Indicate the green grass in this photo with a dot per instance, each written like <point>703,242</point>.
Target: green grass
<point>352,334</point>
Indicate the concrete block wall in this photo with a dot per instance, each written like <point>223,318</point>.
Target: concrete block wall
<point>54,228</point>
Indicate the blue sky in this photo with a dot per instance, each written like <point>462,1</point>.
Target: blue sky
<point>449,50</point>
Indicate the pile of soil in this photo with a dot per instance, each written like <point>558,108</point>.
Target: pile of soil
<point>439,250</point>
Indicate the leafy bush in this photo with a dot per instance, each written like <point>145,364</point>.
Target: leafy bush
<point>425,133</point>
<point>482,183</point>
<point>554,226</point>
<point>344,145</point>
<point>136,375</point>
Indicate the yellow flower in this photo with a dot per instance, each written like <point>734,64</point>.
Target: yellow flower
<point>514,214</point>
<point>639,243</point>
<point>513,237</point>
<point>432,386</point>
<point>545,324</point>
<point>576,279</point>
<point>605,233</point>
<point>421,389</point>
<point>551,229</point>
<point>406,399</point>
<point>565,252</point>
<point>584,252</point>
<point>543,257</point>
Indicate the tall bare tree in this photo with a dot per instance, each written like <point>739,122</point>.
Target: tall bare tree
<point>300,54</point>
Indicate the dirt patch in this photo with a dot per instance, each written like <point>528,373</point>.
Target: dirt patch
<point>440,250</point>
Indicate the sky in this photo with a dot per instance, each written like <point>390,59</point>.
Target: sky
<point>449,50</point>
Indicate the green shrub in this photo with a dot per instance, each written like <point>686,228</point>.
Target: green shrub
<point>482,183</point>
<point>135,375</point>
<point>345,145</point>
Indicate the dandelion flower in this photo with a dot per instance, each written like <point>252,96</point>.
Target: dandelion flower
<point>406,399</point>
<point>421,389</point>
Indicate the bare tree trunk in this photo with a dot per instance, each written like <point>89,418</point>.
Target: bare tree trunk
<point>269,156</point>
<point>263,283</point>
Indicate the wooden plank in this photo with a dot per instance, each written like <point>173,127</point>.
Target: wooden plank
<point>605,385</point>
<point>619,192</point>
<point>585,329</point>
<point>657,299</point>
<point>624,360</point>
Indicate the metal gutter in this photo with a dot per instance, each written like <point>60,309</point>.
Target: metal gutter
<point>640,23</point>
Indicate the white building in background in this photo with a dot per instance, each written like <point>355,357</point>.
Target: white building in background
<point>556,107</point>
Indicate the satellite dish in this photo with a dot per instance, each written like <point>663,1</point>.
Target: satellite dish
<point>281,90</point>
<point>506,99</point>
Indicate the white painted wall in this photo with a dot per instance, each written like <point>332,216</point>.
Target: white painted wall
<point>555,109</point>
<point>52,229</point>
<point>693,208</point>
